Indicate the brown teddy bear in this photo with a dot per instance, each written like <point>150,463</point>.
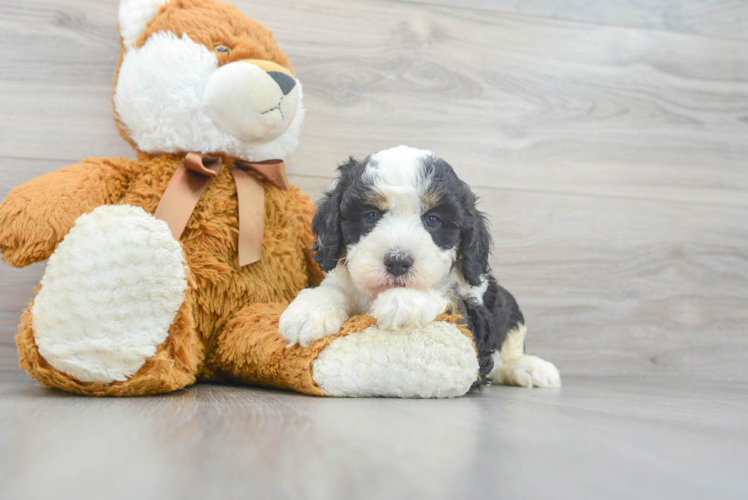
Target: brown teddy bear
<point>175,267</point>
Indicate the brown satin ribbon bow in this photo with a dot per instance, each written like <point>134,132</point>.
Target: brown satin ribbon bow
<point>192,177</point>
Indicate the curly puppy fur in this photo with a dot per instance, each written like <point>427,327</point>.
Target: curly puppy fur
<point>400,236</point>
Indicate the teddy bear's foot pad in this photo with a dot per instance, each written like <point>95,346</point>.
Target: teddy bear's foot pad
<point>437,361</point>
<point>109,295</point>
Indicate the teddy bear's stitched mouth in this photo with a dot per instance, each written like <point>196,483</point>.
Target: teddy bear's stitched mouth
<point>278,107</point>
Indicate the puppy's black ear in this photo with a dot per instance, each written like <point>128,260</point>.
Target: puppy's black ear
<point>475,243</point>
<point>329,245</point>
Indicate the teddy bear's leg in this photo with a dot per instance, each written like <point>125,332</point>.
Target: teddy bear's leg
<point>114,312</point>
<point>438,361</point>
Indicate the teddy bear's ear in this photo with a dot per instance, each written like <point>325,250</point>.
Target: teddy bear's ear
<point>134,15</point>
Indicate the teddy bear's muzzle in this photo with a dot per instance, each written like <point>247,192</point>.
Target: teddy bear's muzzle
<point>253,100</point>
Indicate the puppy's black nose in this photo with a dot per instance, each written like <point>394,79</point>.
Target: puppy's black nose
<point>285,82</point>
<point>396,264</point>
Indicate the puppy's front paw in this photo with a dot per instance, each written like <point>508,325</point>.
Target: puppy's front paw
<point>404,307</point>
<point>307,320</point>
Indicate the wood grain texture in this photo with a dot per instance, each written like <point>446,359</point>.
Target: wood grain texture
<point>594,438</point>
<point>542,105</point>
<point>714,18</point>
<point>611,160</point>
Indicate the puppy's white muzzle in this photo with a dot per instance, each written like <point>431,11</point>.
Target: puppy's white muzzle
<point>255,101</point>
<point>403,237</point>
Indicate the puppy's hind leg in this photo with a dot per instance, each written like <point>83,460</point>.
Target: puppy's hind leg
<point>513,367</point>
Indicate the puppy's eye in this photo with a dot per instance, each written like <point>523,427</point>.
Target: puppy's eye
<point>222,49</point>
<point>371,217</point>
<point>433,221</point>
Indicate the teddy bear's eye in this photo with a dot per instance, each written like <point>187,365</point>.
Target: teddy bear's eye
<point>222,49</point>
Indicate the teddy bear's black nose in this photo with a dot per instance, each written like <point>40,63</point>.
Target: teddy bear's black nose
<point>285,82</point>
<point>396,264</point>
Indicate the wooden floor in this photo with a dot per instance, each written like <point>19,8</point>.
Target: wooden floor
<point>609,144</point>
<point>594,438</point>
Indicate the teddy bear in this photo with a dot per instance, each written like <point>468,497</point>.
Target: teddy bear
<point>175,267</point>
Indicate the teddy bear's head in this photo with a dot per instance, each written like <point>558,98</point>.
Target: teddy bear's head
<point>200,76</point>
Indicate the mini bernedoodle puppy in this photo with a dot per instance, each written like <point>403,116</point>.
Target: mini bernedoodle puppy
<point>400,237</point>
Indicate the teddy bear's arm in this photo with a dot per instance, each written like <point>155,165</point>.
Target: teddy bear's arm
<point>360,360</point>
<point>36,216</point>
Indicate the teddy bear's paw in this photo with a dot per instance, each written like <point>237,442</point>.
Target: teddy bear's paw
<point>109,295</point>
<point>527,371</point>
<point>310,317</point>
<point>404,307</point>
<point>437,361</point>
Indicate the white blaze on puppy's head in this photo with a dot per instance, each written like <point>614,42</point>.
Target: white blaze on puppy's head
<point>197,76</point>
<point>398,174</point>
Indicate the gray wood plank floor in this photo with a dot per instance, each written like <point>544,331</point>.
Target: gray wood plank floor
<point>594,438</point>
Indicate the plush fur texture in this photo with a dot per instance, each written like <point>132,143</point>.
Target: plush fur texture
<point>435,361</point>
<point>37,216</point>
<point>251,351</point>
<point>403,240</point>
<point>123,310</point>
<point>174,366</point>
<point>220,289</point>
<point>93,316</point>
<point>186,86</point>
<point>172,113</point>
<point>134,15</point>
<point>104,349</point>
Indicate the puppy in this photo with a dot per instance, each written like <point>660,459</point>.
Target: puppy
<point>400,237</point>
